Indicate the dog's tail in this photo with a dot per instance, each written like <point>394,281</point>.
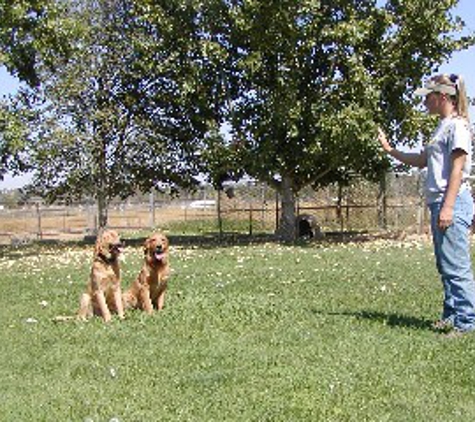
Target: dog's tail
<point>83,313</point>
<point>64,318</point>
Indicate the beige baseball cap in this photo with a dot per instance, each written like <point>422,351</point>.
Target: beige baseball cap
<point>432,86</point>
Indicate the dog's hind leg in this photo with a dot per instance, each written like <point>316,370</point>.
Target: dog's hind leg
<point>129,300</point>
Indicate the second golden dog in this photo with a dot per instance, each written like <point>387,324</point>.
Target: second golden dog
<point>148,290</point>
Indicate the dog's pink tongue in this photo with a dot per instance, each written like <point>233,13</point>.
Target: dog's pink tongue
<point>159,256</point>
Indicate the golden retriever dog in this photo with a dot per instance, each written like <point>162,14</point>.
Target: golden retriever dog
<point>104,294</point>
<point>147,292</point>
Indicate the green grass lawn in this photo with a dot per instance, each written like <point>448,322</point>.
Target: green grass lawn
<point>317,332</point>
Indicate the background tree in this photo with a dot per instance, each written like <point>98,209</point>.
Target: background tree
<point>311,81</point>
<point>124,113</point>
<point>13,137</point>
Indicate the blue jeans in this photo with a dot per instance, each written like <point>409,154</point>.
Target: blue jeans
<point>452,255</point>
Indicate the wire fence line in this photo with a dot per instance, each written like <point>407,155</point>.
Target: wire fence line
<point>247,208</point>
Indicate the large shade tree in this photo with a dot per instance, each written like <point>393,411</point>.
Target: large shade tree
<point>309,82</point>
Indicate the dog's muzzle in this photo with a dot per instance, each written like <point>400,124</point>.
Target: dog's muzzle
<point>159,253</point>
<point>116,248</point>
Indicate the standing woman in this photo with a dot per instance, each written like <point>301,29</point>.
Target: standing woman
<point>448,158</point>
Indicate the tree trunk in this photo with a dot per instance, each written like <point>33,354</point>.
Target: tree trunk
<point>220,217</point>
<point>101,183</point>
<point>339,207</point>
<point>382,203</point>
<point>102,211</point>
<point>286,230</point>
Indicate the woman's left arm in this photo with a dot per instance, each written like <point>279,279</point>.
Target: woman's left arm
<point>447,212</point>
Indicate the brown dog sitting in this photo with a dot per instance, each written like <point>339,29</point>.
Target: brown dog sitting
<point>148,290</point>
<point>104,294</point>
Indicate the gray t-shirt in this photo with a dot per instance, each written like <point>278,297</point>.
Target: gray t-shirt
<point>452,133</point>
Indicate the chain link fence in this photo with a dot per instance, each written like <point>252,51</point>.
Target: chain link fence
<point>246,208</point>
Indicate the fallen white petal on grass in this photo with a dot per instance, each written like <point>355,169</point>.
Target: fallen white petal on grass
<point>31,320</point>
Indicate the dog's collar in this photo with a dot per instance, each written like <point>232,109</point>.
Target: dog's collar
<point>105,259</point>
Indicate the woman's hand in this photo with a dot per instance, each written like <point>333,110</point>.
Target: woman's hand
<point>383,140</point>
<point>418,159</point>
<point>446,217</point>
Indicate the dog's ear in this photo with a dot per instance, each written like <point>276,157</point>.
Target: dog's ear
<point>166,242</point>
<point>110,237</point>
<point>146,246</point>
<point>99,240</point>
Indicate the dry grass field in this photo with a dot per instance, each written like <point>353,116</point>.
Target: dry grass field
<point>73,223</point>
<point>22,225</point>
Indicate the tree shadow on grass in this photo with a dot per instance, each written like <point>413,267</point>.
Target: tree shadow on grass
<point>393,320</point>
<point>208,240</point>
